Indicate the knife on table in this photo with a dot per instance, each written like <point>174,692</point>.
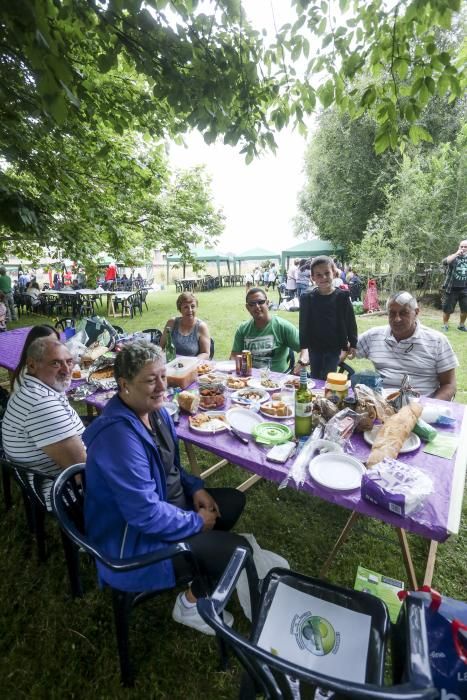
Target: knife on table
<point>237,435</point>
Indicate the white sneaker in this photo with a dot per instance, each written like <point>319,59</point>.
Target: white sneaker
<point>191,617</point>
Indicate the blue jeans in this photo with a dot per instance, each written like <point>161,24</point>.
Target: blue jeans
<point>323,362</point>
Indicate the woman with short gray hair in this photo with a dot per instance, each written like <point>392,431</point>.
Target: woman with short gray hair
<point>140,499</point>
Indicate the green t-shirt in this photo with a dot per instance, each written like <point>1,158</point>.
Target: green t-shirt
<point>272,342</point>
<point>5,284</point>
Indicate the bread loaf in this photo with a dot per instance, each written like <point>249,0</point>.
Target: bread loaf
<point>393,433</point>
<point>188,402</point>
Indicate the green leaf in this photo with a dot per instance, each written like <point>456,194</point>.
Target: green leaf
<point>418,133</point>
<point>326,93</point>
<point>444,83</point>
<point>299,23</point>
<point>431,85</point>
<point>416,87</point>
<point>401,67</point>
<point>445,19</point>
<point>445,58</point>
<point>381,142</point>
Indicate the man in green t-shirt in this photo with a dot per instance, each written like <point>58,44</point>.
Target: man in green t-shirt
<point>269,338</point>
<point>5,287</point>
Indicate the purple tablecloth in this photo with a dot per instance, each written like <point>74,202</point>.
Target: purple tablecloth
<point>440,514</point>
<point>11,347</point>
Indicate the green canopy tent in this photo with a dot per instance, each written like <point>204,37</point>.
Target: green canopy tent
<point>256,254</point>
<point>309,249</point>
<point>201,255</point>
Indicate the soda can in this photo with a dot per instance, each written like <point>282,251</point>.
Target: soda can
<point>247,363</point>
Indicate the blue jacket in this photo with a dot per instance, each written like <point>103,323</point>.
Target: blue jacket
<point>126,511</point>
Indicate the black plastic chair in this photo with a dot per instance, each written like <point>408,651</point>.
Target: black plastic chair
<point>155,334</point>
<point>67,503</point>
<point>144,293</point>
<point>279,679</point>
<point>36,488</point>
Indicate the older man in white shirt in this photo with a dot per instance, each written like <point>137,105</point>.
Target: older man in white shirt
<point>407,347</point>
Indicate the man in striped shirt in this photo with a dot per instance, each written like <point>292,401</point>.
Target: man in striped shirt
<point>407,347</point>
<point>40,428</point>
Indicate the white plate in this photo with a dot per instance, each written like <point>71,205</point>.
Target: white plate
<point>240,379</point>
<point>212,379</point>
<point>241,396</point>
<point>214,426</point>
<point>310,383</point>
<point>243,420</point>
<point>412,443</point>
<point>171,407</point>
<point>338,472</point>
<point>226,366</point>
<point>255,383</point>
<point>269,416</point>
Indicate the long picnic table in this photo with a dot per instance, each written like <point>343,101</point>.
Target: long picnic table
<point>436,520</point>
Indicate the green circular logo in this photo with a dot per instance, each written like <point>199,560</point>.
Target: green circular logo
<point>318,635</point>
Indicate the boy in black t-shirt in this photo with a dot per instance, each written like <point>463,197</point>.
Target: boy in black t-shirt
<point>327,321</point>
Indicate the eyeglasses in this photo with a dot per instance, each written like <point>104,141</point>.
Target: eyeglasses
<point>260,302</point>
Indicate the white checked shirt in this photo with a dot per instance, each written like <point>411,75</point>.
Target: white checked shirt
<point>423,356</point>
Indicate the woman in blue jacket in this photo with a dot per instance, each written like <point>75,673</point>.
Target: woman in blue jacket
<point>138,496</point>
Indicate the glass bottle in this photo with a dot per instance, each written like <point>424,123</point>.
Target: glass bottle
<point>303,407</point>
<point>170,352</point>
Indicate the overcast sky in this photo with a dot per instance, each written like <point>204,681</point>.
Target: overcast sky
<point>258,200</point>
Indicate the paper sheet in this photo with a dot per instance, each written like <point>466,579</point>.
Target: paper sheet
<point>317,635</point>
<point>442,446</point>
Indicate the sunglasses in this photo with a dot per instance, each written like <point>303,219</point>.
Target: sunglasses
<point>260,302</point>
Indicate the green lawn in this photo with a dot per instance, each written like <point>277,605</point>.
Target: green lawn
<point>53,647</point>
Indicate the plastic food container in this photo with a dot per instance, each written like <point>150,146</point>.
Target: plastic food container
<point>182,371</point>
<point>336,385</point>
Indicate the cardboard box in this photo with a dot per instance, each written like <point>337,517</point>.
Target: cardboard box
<point>382,587</point>
<point>182,371</point>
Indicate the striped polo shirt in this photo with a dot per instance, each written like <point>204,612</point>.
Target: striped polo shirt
<point>37,416</point>
<point>423,356</point>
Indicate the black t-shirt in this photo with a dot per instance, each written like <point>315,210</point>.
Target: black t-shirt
<point>459,280</point>
<point>164,442</point>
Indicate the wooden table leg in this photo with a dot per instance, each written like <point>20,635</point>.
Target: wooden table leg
<point>192,460</point>
<point>212,470</point>
<point>407,558</point>
<point>430,563</point>
<point>341,539</point>
<point>249,483</point>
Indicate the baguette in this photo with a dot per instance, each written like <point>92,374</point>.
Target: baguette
<point>393,433</point>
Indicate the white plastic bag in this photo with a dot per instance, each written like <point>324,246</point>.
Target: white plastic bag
<point>264,562</point>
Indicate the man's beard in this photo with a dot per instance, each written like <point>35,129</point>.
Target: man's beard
<point>61,385</point>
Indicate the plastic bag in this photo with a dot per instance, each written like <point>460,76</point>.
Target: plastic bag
<point>298,470</point>
<point>369,377</point>
<point>404,396</point>
<point>446,626</point>
<point>396,486</point>
<point>264,562</point>
<point>370,406</point>
<point>340,428</point>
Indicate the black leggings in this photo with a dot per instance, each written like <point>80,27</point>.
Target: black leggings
<point>214,548</point>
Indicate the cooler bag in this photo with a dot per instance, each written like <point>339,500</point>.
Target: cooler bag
<point>446,624</point>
